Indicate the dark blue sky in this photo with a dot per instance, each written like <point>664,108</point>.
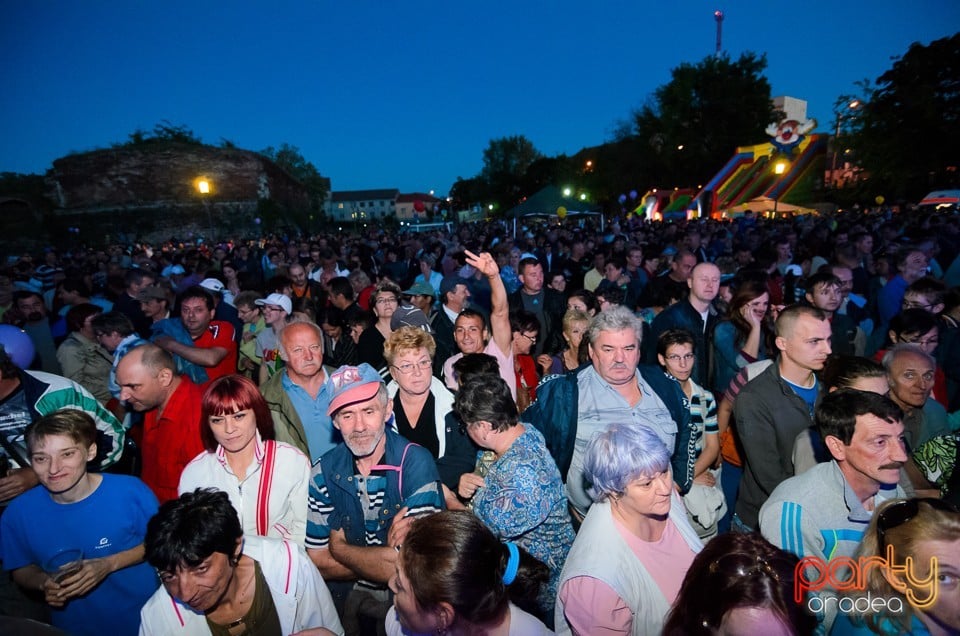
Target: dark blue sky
<point>407,94</point>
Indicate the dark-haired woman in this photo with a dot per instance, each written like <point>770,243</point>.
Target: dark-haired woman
<point>739,584</point>
<point>455,577</point>
<point>215,580</point>
<point>740,339</point>
<point>522,497</point>
<point>267,481</point>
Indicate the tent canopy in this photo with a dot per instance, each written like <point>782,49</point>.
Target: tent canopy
<point>766,204</point>
<point>546,201</point>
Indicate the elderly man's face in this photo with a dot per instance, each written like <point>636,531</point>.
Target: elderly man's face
<point>911,379</point>
<point>363,426</point>
<point>615,355</point>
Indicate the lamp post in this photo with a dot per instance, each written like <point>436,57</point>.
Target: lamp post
<point>204,188</point>
<point>778,169</point>
<point>853,104</point>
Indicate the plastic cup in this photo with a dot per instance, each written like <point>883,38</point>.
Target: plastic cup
<point>64,564</point>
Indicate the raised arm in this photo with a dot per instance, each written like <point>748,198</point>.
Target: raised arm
<point>500,311</point>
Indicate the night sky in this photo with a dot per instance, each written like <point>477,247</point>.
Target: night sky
<point>407,94</point>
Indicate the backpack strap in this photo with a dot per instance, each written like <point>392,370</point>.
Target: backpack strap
<point>266,483</point>
<point>398,469</point>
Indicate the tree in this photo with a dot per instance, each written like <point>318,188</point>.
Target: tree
<point>505,164</point>
<point>907,136</point>
<point>466,193</point>
<point>162,132</point>
<point>695,122</point>
<point>290,159</point>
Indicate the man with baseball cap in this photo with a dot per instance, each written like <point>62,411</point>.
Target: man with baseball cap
<point>154,303</point>
<point>276,314</point>
<point>421,296</point>
<point>365,492</point>
<point>223,308</point>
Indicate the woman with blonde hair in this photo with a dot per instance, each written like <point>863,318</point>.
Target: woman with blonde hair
<point>423,406</point>
<point>922,537</point>
<point>575,324</point>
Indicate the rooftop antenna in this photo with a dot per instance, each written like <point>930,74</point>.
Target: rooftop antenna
<point>718,16</point>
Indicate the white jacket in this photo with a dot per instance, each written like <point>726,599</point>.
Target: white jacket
<point>442,405</point>
<point>601,553</point>
<point>286,502</point>
<point>299,594</point>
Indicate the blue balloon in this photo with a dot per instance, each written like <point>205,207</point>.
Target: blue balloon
<point>623,198</point>
<point>18,345</point>
<point>633,194</point>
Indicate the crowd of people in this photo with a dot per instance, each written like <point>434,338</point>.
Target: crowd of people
<point>628,428</point>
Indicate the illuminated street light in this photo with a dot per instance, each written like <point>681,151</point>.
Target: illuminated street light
<point>853,105</point>
<point>680,147</point>
<point>778,168</point>
<point>203,187</point>
<point>583,196</point>
<point>567,192</point>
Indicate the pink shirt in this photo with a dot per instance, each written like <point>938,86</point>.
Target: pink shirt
<point>503,360</point>
<point>592,607</point>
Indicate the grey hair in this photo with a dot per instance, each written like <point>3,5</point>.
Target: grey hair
<point>618,455</point>
<point>297,320</point>
<point>614,319</point>
<point>905,347</point>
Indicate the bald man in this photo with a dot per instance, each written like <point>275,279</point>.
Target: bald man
<point>149,383</point>
<point>696,314</point>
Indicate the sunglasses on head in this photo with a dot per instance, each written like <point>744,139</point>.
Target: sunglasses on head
<point>899,513</point>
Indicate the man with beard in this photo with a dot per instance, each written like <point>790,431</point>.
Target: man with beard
<point>773,408</point>
<point>34,319</point>
<point>824,511</point>
<point>365,493</point>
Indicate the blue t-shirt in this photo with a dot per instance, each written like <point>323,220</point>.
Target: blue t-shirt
<point>807,395</point>
<point>113,518</point>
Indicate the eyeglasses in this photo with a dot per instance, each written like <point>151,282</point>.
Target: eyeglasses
<point>687,357</point>
<point>899,513</point>
<point>272,308</point>
<point>387,301</point>
<point>911,304</point>
<point>409,367</point>
<point>929,342</point>
<point>532,339</point>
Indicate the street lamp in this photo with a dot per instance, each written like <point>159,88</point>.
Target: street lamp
<point>853,104</point>
<point>204,188</point>
<point>778,169</point>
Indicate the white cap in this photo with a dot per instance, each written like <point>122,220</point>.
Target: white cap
<point>276,299</point>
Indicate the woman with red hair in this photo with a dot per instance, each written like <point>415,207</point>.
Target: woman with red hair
<point>266,480</point>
